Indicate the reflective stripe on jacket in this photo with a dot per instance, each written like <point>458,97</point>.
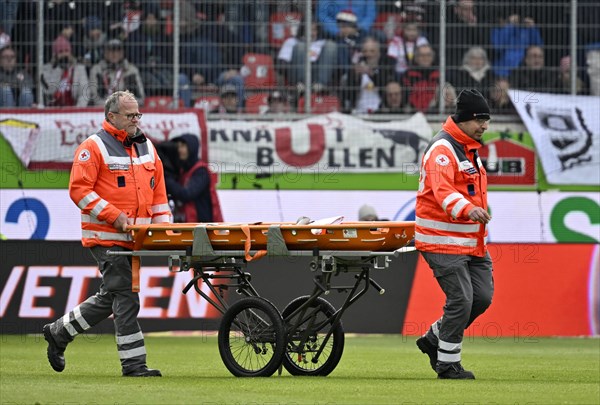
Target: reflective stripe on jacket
<point>452,182</point>
<point>108,178</point>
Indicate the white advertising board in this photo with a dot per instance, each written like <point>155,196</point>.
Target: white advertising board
<point>517,217</point>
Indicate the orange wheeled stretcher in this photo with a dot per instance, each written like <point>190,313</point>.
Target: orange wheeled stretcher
<point>255,338</point>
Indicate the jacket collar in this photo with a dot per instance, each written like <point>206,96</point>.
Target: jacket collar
<point>458,134</point>
<point>120,134</point>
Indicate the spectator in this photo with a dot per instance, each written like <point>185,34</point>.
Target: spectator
<point>148,42</point>
<point>323,57</point>
<point>114,73</point>
<point>230,103</point>
<point>510,42</point>
<point>16,85</point>
<point>194,194</point>
<point>238,27</point>
<point>393,101</point>
<point>464,28</point>
<point>8,16</point>
<point>25,33</point>
<point>475,72</point>
<point>422,81</point>
<point>68,33</point>
<point>499,100</point>
<point>201,59</point>
<point>588,36</point>
<point>398,13</point>
<point>200,89</point>
<point>279,103</point>
<point>233,77</point>
<point>593,68</point>
<point>349,41</point>
<point>130,20</point>
<point>533,75</point>
<point>563,79</point>
<point>327,14</point>
<point>402,47</point>
<point>62,18</point>
<point>150,49</point>
<point>64,81</point>
<point>4,40</point>
<point>111,11</point>
<point>169,155</point>
<point>370,74</point>
<point>94,41</point>
<point>205,97</point>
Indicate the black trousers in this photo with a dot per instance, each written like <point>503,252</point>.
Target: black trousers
<point>114,298</point>
<point>468,284</point>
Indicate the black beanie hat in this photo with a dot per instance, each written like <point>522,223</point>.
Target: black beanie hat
<point>471,105</point>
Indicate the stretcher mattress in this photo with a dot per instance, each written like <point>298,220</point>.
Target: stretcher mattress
<point>345,236</point>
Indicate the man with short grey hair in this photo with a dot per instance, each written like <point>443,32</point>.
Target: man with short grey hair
<point>117,180</point>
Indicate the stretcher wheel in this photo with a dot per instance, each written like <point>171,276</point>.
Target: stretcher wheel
<point>314,322</point>
<point>252,338</point>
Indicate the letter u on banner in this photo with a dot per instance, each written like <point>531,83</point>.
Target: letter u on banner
<point>283,146</point>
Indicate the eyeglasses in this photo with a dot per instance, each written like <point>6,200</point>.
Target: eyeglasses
<point>130,117</point>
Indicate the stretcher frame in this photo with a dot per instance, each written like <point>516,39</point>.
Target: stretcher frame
<point>255,339</point>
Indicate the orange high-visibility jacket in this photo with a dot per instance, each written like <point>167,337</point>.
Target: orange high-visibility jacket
<point>108,178</point>
<point>452,182</point>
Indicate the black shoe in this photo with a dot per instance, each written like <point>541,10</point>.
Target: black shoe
<point>453,371</point>
<point>143,372</point>
<point>429,349</point>
<point>56,355</point>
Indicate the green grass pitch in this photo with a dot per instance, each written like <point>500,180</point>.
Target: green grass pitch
<point>373,370</point>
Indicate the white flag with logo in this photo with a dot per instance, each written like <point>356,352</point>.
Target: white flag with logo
<point>566,132</point>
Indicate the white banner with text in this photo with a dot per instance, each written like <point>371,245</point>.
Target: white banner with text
<point>333,141</point>
<point>48,138</point>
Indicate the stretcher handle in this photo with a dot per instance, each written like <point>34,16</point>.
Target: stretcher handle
<point>374,283</point>
<point>376,286</point>
<point>404,249</point>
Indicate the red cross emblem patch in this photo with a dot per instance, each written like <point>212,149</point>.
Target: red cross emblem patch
<point>442,160</point>
<point>84,155</point>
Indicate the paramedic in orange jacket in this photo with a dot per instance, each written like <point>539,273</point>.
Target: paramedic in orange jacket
<point>451,226</point>
<point>116,180</point>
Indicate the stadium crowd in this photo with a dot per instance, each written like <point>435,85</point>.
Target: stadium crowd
<point>367,56</point>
